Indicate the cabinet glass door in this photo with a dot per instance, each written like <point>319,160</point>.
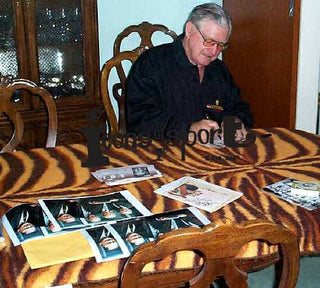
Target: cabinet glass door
<point>60,49</point>
<point>8,54</point>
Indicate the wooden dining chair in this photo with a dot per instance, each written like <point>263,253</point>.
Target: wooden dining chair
<point>118,90</point>
<point>8,86</point>
<point>145,31</point>
<point>218,247</point>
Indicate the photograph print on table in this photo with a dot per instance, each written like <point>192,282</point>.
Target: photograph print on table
<point>79,212</point>
<point>63,213</point>
<point>174,220</point>
<point>134,232</point>
<point>198,193</point>
<point>111,207</point>
<point>23,223</point>
<point>105,243</point>
<point>283,190</point>
<point>118,240</point>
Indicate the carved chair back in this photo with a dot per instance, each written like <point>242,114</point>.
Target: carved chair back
<point>218,247</point>
<point>8,86</point>
<point>118,90</point>
<point>145,31</point>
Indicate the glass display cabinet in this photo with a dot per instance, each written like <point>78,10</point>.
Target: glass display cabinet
<point>54,44</point>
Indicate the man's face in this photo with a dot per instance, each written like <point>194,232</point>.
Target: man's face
<point>26,228</point>
<point>135,238</point>
<point>52,227</point>
<point>93,218</point>
<point>109,243</point>
<point>66,218</point>
<point>108,214</point>
<point>125,211</point>
<point>197,53</point>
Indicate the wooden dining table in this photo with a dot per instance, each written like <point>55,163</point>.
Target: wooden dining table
<point>58,172</point>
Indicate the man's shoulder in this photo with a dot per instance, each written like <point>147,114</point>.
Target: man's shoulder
<point>158,53</point>
<point>154,58</point>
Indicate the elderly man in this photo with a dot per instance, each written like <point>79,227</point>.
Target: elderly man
<point>182,86</point>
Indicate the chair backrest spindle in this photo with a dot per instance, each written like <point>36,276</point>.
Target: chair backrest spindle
<point>118,90</point>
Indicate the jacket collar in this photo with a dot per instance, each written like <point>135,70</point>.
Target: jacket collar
<point>180,53</point>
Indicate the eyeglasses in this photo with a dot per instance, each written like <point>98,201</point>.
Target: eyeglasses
<point>210,42</point>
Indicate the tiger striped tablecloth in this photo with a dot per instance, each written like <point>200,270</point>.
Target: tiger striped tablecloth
<point>56,172</point>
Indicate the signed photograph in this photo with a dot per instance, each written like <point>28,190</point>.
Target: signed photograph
<point>199,193</point>
<point>79,212</point>
<point>23,223</point>
<point>105,243</point>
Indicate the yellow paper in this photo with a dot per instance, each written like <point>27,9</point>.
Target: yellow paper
<point>57,249</point>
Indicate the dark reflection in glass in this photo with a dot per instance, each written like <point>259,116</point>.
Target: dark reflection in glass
<point>60,47</point>
<point>8,55</point>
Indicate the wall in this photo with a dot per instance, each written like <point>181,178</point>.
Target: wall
<point>308,66</point>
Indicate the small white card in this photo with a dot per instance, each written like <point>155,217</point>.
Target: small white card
<point>128,174</point>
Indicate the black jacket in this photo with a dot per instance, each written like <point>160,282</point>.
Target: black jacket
<point>164,92</point>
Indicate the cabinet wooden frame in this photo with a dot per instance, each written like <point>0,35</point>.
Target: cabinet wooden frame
<point>72,110</point>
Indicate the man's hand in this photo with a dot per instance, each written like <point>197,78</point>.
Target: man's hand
<point>203,124</point>
<point>240,134</point>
